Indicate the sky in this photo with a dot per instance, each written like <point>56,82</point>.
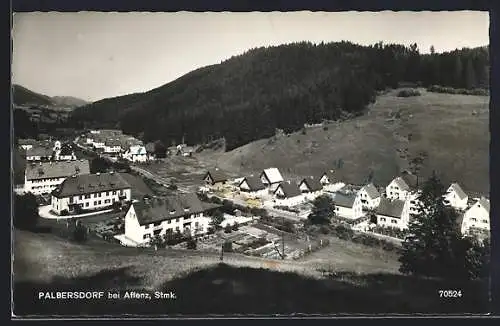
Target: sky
<point>93,55</point>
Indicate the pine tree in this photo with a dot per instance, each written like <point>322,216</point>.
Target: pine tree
<point>323,210</point>
<point>434,246</point>
<point>470,75</point>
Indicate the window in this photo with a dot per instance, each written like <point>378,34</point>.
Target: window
<point>382,219</point>
<point>146,236</point>
<point>107,193</point>
<point>146,226</point>
<point>107,201</point>
<point>81,197</point>
<point>87,196</point>
<point>157,224</point>
<point>95,195</point>
<point>176,220</point>
<point>169,221</point>
<point>71,200</point>
<point>394,221</point>
<point>485,221</point>
<point>474,219</point>
<point>99,202</point>
<point>95,203</point>
<point>114,192</point>
<point>87,204</point>
<point>76,198</point>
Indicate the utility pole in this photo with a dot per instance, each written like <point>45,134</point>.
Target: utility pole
<point>283,240</point>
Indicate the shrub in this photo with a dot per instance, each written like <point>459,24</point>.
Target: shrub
<point>227,246</point>
<point>408,93</point>
<point>235,227</point>
<point>228,228</point>
<point>343,232</point>
<point>191,244</point>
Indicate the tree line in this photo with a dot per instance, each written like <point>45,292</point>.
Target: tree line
<point>249,96</point>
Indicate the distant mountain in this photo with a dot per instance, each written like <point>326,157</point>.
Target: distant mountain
<point>249,96</point>
<point>69,101</point>
<point>24,96</point>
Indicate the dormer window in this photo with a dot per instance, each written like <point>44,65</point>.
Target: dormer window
<point>172,211</point>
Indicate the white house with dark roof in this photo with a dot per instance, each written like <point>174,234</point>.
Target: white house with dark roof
<point>112,146</point>
<point>27,143</point>
<point>401,187</point>
<point>456,197</point>
<point>328,177</point>
<point>369,196</point>
<point>65,153</point>
<point>252,186</point>
<point>184,213</point>
<point>287,193</point>
<point>136,153</point>
<point>393,213</point>
<point>271,178</point>
<point>43,177</point>
<point>477,217</point>
<point>311,187</point>
<point>215,177</point>
<point>347,205</point>
<point>90,192</point>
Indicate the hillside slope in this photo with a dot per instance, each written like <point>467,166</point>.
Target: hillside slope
<point>23,96</point>
<point>452,129</point>
<point>247,97</point>
<point>68,101</point>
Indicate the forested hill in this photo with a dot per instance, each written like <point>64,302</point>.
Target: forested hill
<point>248,96</point>
<point>23,96</point>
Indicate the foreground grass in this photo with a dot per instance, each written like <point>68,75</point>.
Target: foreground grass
<point>228,290</point>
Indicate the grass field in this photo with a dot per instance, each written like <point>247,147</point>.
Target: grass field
<point>453,129</point>
<point>244,285</point>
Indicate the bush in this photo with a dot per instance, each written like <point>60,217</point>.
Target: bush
<point>408,93</point>
<point>325,128</point>
<point>343,232</point>
<point>450,90</point>
<point>191,244</point>
<point>235,227</point>
<point>227,246</point>
<point>228,228</point>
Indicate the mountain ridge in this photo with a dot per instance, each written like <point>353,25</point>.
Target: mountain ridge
<point>24,96</point>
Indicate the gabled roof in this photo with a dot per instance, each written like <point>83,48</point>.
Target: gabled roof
<point>39,151</point>
<point>49,170</point>
<point>90,183</point>
<point>254,183</point>
<point>273,175</point>
<point>112,142</point>
<point>312,183</point>
<point>391,208</point>
<point>458,190</point>
<point>343,199</point>
<point>290,189</point>
<point>27,141</point>
<point>170,207</point>
<point>410,179</point>
<point>484,202</point>
<point>216,175</point>
<point>371,191</point>
<point>330,174</point>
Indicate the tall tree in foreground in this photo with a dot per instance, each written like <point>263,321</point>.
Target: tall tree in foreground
<point>323,210</point>
<point>435,246</point>
<point>25,212</point>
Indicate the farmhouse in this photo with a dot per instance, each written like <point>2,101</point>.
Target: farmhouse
<point>180,213</point>
<point>90,192</point>
<point>369,196</point>
<point>347,205</point>
<point>401,187</point>
<point>215,177</point>
<point>311,187</point>
<point>477,217</point>
<point>327,177</point>
<point>39,153</point>
<point>456,197</point>
<point>271,178</point>
<point>393,213</point>
<point>136,153</point>
<point>44,177</point>
<point>112,146</point>
<point>253,186</point>
<point>288,194</point>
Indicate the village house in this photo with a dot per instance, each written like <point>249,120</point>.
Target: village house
<point>27,143</point>
<point>271,178</point>
<point>477,217</point>
<point>311,187</point>
<point>112,146</point>
<point>456,197</point>
<point>98,142</point>
<point>347,205</point>
<point>215,178</point>
<point>39,153</point>
<point>369,196</point>
<point>182,213</point>
<point>87,192</point>
<point>328,177</point>
<point>136,153</point>
<point>288,193</point>
<point>401,187</point>
<point>43,177</point>
<point>393,213</point>
<point>252,186</point>
<point>66,153</point>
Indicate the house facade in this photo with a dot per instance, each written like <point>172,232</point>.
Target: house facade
<point>183,213</point>
<point>401,187</point>
<point>393,213</point>
<point>215,178</point>
<point>311,187</point>
<point>369,196</point>
<point>252,186</point>
<point>43,177</point>
<point>65,153</point>
<point>112,146</point>
<point>477,217</point>
<point>287,193</point>
<point>90,192</point>
<point>347,205</point>
<point>456,197</point>
<point>136,153</point>
<point>271,178</point>
<point>328,177</point>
